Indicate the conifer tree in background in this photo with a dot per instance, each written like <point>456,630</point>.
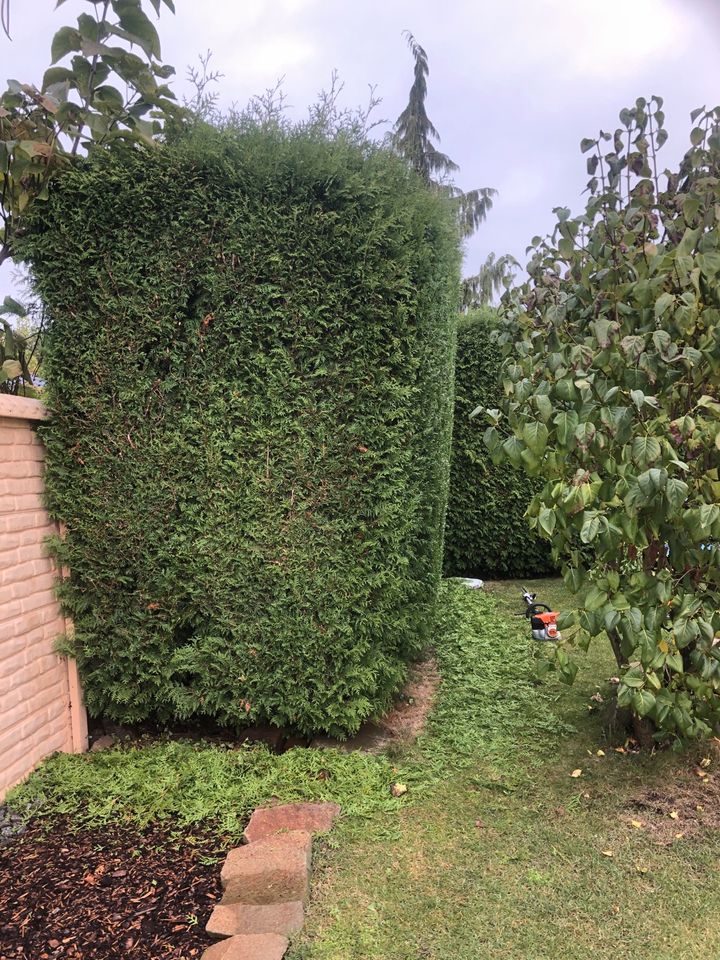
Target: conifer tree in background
<point>414,136</point>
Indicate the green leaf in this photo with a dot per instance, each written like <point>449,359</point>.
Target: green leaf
<point>12,306</point>
<point>663,303</point>
<point>677,492</point>
<point>109,98</point>
<point>651,481</point>
<point>135,22</point>
<point>546,520</point>
<point>513,447</point>
<point>65,41</point>
<point>710,404</point>
<point>11,369</point>
<point>535,436</point>
<point>55,75</point>
<point>645,450</point>
<point>634,678</point>
<point>643,702</point>
<point>709,263</point>
<point>544,406</point>
<point>566,423</point>
<point>590,528</point>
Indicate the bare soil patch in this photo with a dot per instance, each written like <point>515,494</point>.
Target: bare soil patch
<point>688,807</point>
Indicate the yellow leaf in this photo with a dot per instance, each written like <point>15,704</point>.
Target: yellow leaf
<point>637,823</point>
<point>663,646</point>
<point>640,868</point>
<point>679,836</point>
<point>601,753</point>
<point>398,789</point>
<point>674,815</point>
<point>705,762</point>
<point>607,853</point>
<point>576,773</point>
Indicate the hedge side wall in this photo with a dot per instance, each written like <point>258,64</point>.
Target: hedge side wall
<point>486,533</point>
<point>250,367</point>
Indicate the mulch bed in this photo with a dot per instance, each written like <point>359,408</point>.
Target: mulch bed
<point>108,893</point>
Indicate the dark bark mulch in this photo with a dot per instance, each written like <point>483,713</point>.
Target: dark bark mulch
<point>108,893</point>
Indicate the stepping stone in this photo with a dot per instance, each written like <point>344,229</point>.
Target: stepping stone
<point>273,870</point>
<point>236,918</point>
<point>310,817</point>
<point>267,946</point>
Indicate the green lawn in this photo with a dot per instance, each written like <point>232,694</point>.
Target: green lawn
<point>500,852</point>
<point>495,850</point>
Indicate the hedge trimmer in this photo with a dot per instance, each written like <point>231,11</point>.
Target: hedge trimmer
<point>543,620</point>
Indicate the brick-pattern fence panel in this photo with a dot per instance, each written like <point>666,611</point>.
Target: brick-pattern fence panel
<point>41,708</point>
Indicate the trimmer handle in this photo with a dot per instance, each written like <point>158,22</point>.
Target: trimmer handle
<point>535,608</point>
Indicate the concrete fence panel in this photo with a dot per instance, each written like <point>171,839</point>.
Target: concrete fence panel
<point>41,707</point>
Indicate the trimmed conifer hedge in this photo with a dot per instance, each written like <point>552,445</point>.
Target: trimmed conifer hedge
<point>486,533</point>
<point>250,371</point>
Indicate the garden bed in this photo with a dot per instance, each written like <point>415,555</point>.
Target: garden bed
<point>109,892</point>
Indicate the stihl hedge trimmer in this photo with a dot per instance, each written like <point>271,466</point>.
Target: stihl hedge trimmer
<point>543,620</point>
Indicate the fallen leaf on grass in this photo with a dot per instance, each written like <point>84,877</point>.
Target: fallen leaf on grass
<point>398,789</point>
<point>705,762</point>
<point>637,824</point>
<point>600,753</point>
<point>608,853</point>
<point>576,773</point>
<point>674,815</point>
<point>640,868</point>
<point>479,824</point>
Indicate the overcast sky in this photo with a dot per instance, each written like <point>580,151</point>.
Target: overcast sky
<point>514,84</point>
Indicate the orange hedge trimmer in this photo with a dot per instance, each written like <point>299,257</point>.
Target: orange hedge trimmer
<point>543,620</point>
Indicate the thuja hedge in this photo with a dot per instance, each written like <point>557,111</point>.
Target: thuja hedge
<point>250,371</point>
<point>486,533</point>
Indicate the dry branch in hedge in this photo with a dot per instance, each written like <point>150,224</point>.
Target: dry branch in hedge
<point>250,369</point>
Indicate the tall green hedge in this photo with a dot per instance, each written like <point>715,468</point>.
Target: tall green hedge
<point>250,370</point>
<point>486,534</point>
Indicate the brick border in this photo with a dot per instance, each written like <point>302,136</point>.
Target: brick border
<point>266,882</point>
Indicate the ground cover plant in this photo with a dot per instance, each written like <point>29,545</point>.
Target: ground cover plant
<point>250,373</point>
<point>521,831</point>
<point>613,396</point>
<point>486,532</point>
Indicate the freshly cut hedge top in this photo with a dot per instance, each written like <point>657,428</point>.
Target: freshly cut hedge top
<point>250,368</point>
<point>486,532</point>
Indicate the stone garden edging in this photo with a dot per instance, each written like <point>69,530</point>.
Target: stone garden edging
<point>266,882</point>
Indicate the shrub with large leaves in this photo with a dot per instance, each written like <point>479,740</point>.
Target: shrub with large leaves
<point>612,382</point>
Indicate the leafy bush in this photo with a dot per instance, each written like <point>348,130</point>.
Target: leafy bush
<point>613,380</point>
<point>249,365</point>
<point>486,533</point>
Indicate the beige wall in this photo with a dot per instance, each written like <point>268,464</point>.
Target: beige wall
<point>41,708</point>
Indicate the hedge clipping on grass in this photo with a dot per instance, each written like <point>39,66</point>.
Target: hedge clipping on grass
<point>250,366</point>
<point>486,533</point>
